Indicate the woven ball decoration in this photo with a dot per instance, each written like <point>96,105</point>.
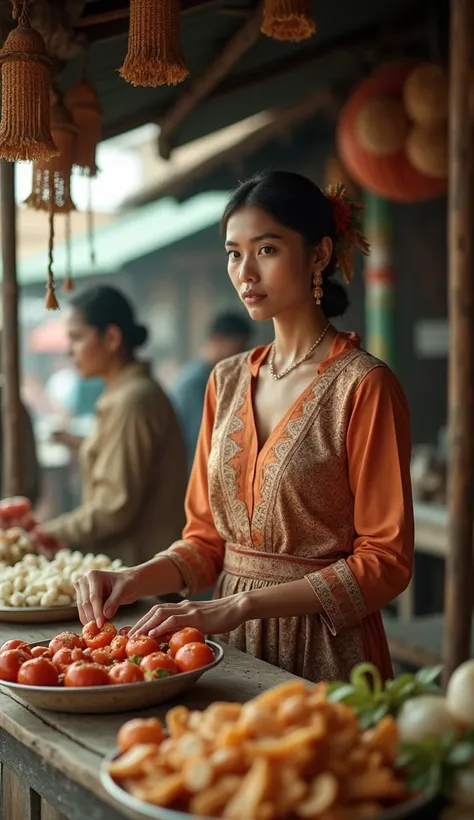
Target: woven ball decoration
<point>393,177</point>
<point>382,125</point>
<point>427,150</point>
<point>426,94</point>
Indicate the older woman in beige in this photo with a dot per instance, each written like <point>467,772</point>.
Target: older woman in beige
<point>134,463</point>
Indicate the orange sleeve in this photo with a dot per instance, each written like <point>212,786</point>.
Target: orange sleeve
<point>200,554</point>
<point>379,453</point>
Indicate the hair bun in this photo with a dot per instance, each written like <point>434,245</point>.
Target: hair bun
<point>335,300</point>
<point>140,335</point>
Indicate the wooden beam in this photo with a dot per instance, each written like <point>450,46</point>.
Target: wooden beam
<point>11,415</point>
<point>281,121</point>
<point>104,25</point>
<point>202,86</point>
<point>460,569</point>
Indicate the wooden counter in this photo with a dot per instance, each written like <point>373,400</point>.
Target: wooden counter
<point>50,761</point>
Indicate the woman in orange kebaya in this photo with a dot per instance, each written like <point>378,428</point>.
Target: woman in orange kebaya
<point>299,505</point>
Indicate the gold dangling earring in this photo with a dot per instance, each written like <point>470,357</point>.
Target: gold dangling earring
<point>317,285</point>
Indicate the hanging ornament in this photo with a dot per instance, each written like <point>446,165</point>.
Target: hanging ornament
<point>82,102</point>
<point>25,133</point>
<point>427,150</point>
<point>68,284</point>
<point>154,52</point>
<point>288,20</point>
<point>382,125</point>
<point>52,179</point>
<point>426,94</point>
<point>51,189</point>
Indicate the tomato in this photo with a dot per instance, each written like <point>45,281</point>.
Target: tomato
<point>139,730</point>
<point>124,630</point>
<point>193,656</point>
<point>10,664</point>
<point>96,638</point>
<point>15,644</point>
<point>158,665</point>
<point>66,640</point>
<point>29,522</point>
<point>187,635</point>
<point>103,656</point>
<point>140,646</point>
<point>126,672</point>
<point>38,672</point>
<point>41,652</point>
<point>118,648</point>
<point>64,657</point>
<point>86,674</point>
<point>15,507</point>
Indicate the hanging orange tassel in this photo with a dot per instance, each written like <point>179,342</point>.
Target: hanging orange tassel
<point>154,53</point>
<point>288,20</point>
<point>52,179</point>
<point>51,302</point>
<point>25,127</point>
<point>82,101</point>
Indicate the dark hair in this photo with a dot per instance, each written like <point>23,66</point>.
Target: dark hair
<point>297,203</point>
<point>229,325</point>
<point>102,306</point>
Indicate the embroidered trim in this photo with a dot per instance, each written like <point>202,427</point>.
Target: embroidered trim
<point>270,567</point>
<point>192,564</point>
<point>339,595</point>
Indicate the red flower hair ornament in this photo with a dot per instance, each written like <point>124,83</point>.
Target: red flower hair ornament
<point>348,224</point>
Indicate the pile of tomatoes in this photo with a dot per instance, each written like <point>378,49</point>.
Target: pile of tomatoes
<point>99,657</point>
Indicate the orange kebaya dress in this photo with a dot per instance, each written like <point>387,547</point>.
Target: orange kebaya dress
<point>327,498</point>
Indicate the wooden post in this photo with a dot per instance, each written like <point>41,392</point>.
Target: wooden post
<point>460,568</point>
<point>379,278</point>
<point>11,418</point>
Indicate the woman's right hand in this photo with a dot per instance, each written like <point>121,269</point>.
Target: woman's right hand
<point>100,593</point>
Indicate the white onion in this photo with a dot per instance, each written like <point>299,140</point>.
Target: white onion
<point>460,694</point>
<point>424,716</point>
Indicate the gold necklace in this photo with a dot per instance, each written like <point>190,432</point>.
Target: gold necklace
<point>271,363</point>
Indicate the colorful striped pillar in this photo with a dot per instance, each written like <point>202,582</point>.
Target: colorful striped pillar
<point>379,277</point>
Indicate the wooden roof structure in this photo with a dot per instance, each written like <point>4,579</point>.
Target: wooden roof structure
<point>235,71</point>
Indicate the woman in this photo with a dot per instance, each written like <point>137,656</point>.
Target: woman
<point>304,515</point>
<point>134,464</point>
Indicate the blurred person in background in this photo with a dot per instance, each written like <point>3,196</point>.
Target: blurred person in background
<point>228,335</point>
<point>134,463</point>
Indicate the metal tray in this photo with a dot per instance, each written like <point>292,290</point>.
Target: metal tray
<point>142,809</point>
<point>110,699</point>
<point>38,614</point>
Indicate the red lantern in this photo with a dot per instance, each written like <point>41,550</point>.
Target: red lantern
<point>392,176</point>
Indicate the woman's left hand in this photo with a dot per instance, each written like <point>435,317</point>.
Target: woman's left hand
<point>210,617</point>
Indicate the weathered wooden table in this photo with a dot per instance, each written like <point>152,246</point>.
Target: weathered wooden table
<point>50,761</point>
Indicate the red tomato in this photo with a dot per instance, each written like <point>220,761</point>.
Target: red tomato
<point>11,662</point>
<point>103,656</point>
<point>140,646</point>
<point>64,657</point>
<point>126,672</point>
<point>187,635</point>
<point>40,652</point>
<point>118,648</point>
<point>96,638</point>
<point>66,640</point>
<point>124,630</point>
<point>193,656</point>
<point>15,644</point>
<point>29,522</point>
<point>14,507</point>
<point>139,730</point>
<point>86,674</point>
<point>158,665</point>
<point>38,672</point>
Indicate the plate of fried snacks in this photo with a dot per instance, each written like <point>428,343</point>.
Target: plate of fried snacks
<point>356,750</point>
